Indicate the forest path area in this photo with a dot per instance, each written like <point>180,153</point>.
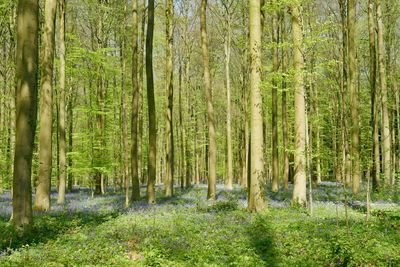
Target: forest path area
<point>186,230</point>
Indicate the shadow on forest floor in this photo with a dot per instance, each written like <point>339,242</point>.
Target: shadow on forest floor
<point>262,239</point>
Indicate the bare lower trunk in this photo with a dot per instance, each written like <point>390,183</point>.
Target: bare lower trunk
<point>255,198</point>
<point>26,98</point>
<point>299,188</point>
<point>169,74</point>
<point>355,128</point>
<point>42,198</point>
<point>212,149</point>
<point>152,159</point>
<point>386,138</point>
<point>63,146</point>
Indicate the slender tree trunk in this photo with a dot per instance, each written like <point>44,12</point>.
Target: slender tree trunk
<point>355,128</point>
<point>141,173</point>
<point>62,115</point>
<point>255,201</point>
<point>285,137</point>
<point>299,188</point>
<point>275,155</point>
<point>152,159</point>
<point>42,198</point>
<point>227,48</point>
<point>135,105</point>
<point>386,151</point>
<point>212,149</point>
<point>169,83</point>
<point>26,101</point>
<point>71,181</point>
<point>374,94</point>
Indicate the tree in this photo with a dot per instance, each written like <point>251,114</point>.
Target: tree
<point>62,112</point>
<point>227,49</point>
<point>152,161</point>
<point>212,145</point>
<point>135,105</point>
<point>355,131</point>
<point>285,138</point>
<point>255,201</point>
<point>275,155</point>
<point>386,136</point>
<point>42,199</point>
<point>169,83</point>
<point>299,187</point>
<point>374,95</point>
<point>26,110</point>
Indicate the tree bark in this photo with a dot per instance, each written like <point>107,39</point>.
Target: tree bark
<point>152,159</point>
<point>227,50</point>
<point>62,115</point>
<point>26,109</point>
<point>299,188</point>
<point>42,197</point>
<point>386,151</point>
<point>275,154</point>
<point>212,149</point>
<point>255,201</point>
<point>374,96</point>
<point>135,105</point>
<point>355,127</point>
<point>169,83</point>
<point>285,137</point>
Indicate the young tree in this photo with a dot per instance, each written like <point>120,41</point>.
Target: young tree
<point>135,104</point>
<point>26,109</point>
<point>255,201</point>
<point>42,199</point>
<point>386,136</point>
<point>275,62</point>
<point>152,159</point>
<point>355,128</point>
<point>299,188</point>
<point>227,49</point>
<point>285,137</point>
<point>62,112</point>
<point>169,75</point>
<point>374,95</point>
<point>212,145</point>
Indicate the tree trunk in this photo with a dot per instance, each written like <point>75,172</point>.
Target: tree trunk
<point>26,108</point>
<point>135,105</point>
<point>299,188</point>
<point>227,48</point>
<point>285,137</point>
<point>62,115</point>
<point>374,96</point>
<point>255,201</point>
<point>152,159</point>
<point>71,181</point>
<point>275,155</point>
<point>42,197</point>
<point>386,151</point>
<point>355,128</point>
<point>212,149</point>
<point>169,83</point>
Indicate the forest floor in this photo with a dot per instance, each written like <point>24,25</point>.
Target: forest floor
<point>186,230</point>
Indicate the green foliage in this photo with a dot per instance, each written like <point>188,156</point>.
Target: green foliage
<point>188,231</point>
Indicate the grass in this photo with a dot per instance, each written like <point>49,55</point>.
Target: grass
<point>186,230</point>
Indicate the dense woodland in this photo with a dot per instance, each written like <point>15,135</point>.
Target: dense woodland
<point>253,108</point>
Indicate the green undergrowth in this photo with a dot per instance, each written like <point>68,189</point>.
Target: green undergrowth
<point>220,233</point>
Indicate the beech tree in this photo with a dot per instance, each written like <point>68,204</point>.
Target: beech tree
<point>25,98</point>
<point>255,201</point>
<point>42,200</point>
<point>212,146</point>
<point>299,186</point>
